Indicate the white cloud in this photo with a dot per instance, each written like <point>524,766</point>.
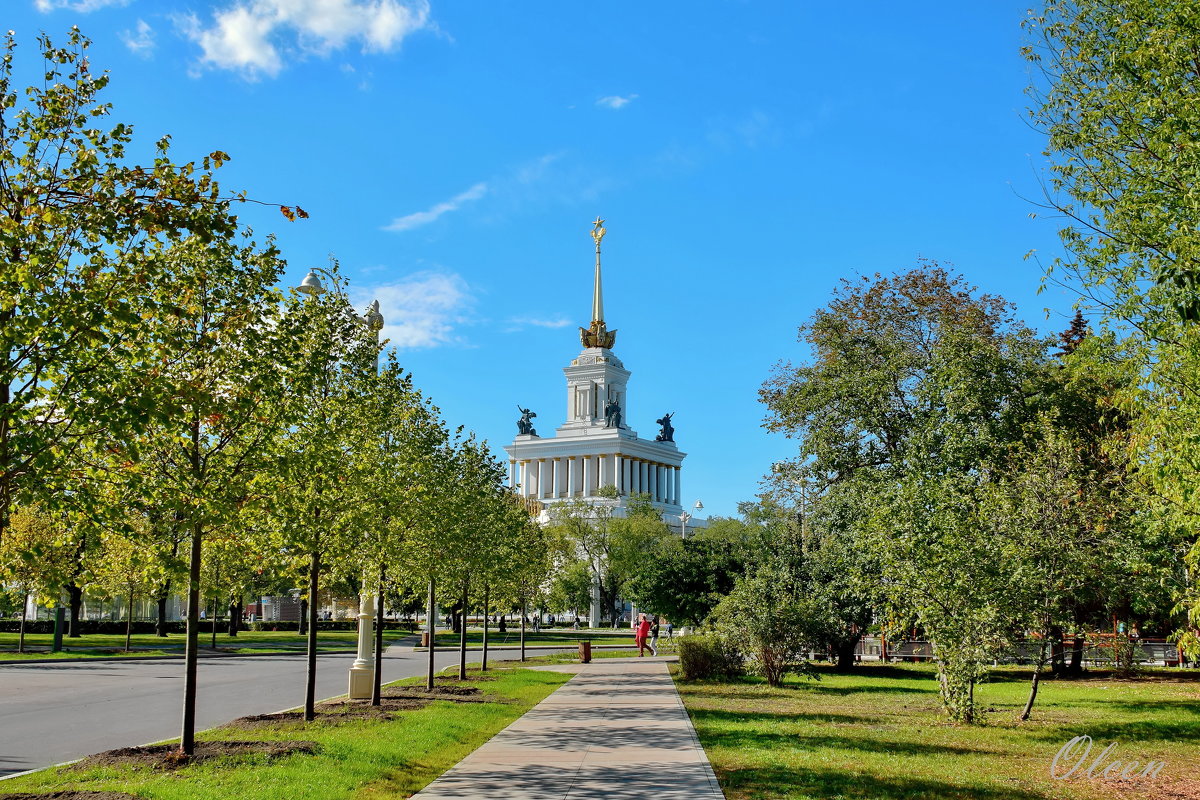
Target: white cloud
<point>82,6</point>
<point>517,323</point>
<point>615,101</point>
<point>256,37</point>
<point>421,310</point>
<point>140,42</point>
<point>419,218</point>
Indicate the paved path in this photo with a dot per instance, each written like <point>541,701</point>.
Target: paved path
<point>55,712</point>
<point>616,730</point>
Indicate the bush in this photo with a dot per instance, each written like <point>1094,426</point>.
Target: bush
<point>705,656</point>
<point>766,618</point>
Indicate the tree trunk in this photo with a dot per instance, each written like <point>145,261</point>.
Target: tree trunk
<point>21,636</point>
<point>216,608</point>
<point>431,629</point>
<point>303,624</point>
<point>310,688</point>
<point>462,638</point>
<point>845,654</point>
<point>1037,675</point>
<point>187,740</point>
<point>1076,665</point>
<point>129,621</point>
<point>1058,655</point>
<point>160,627</point>
<point>377,687</point>
<point>75,597</point>
<point>235,616</point>
<point>487,613</point>
<point>524,606</point>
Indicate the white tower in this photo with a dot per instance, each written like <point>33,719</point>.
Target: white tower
<point>595,447</point>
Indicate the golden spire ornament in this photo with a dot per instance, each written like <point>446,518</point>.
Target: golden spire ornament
<point>598,334</point>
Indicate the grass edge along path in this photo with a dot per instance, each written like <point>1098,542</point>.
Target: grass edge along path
<point>879,733</point>
<point>105,646</point>
<point>366,760</point>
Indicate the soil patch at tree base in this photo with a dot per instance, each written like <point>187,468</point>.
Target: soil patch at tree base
<point>167,756</point>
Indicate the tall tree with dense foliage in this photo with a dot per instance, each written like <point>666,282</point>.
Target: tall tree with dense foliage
<point>79,230</point>
<point>1115,96</point>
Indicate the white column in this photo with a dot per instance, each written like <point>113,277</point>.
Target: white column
<point>619,472</point>
<point>570,476</point>
<point>541,478</point>
<point>523,473</point>
<point>512,468</point>
<point>642,483</point>
<point>671,485</point>
<point>587,476</point>
<point>557,466</point>
<point>362,671</point>
<point>656,482</point>
<point>678,470</point>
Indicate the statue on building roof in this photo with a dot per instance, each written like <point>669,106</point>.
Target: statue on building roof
<point>525,423</point>
<point>612,414</point>
<point>667,432</point>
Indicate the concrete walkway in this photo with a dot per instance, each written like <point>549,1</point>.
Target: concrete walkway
<point>616,730</point>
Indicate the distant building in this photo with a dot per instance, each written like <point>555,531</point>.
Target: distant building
<point>596,447</point>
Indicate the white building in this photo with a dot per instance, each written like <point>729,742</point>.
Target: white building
<point>595,447</point>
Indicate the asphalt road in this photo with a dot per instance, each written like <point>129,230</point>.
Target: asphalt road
<point>51,713</point>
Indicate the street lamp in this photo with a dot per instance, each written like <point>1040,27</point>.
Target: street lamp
<point>362,671</point>
<point>685,517</point>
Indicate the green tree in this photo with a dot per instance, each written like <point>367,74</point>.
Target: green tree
<point>79,230</point>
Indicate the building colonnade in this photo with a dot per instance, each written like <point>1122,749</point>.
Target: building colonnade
<point>584,476</point>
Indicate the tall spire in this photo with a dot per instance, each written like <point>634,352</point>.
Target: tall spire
<point>598,232</point>
<point>598,334</point>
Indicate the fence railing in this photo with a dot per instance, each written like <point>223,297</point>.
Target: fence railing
<point>1100,650</point>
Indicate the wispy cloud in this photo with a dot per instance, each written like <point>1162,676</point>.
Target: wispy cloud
<point>615,101</point>
<point>520,323</point>
<point>257,37</point>
<point>83,6</point>
<point>421,310</point>
<point>140,41</point>
<point>419,218</point>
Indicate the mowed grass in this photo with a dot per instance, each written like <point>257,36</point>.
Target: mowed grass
<point>364,760</point>
<point>108,645</point>
<point>512,637</point>
<point>879,733</point>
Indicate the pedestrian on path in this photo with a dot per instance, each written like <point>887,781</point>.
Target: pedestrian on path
<point>640,633</point>
<point>653,644</point>
<point>670,630</point>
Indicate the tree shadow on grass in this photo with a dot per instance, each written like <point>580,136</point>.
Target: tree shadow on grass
<point>1130,731</point>
<point>746,731</point>
<point>781,782</point>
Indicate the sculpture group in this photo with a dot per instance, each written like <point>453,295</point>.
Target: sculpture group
<point>525,423</point>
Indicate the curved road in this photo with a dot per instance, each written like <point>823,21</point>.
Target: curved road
<point>55,712</point>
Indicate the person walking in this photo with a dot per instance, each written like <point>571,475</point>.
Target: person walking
<point>670,630</point>
<point>653,643</point>
<point>640,633</point>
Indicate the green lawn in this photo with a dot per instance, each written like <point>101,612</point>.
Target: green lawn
<point>105,645</point>
<point>879,733</point>
<point>513,637</point>
<point>365,760</point>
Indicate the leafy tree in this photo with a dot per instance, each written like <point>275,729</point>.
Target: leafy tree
<point>31,560</point>
<point>225,344</point>
<point>1116,100</point>
<point>121,568</point>
<point>78,231</point>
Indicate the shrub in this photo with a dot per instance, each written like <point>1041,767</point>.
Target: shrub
<point>704,656</point>
<point>767,619</point>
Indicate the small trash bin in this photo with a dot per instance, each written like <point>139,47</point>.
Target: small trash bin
<point>424,638</point>
<point>585,652</point>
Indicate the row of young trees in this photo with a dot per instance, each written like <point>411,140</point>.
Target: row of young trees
<point>170,419</point>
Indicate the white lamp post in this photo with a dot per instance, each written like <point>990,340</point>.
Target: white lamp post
<point>685,517</point>
<point>362,671</point>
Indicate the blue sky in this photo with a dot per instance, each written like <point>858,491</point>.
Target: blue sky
<point>746,155</point>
